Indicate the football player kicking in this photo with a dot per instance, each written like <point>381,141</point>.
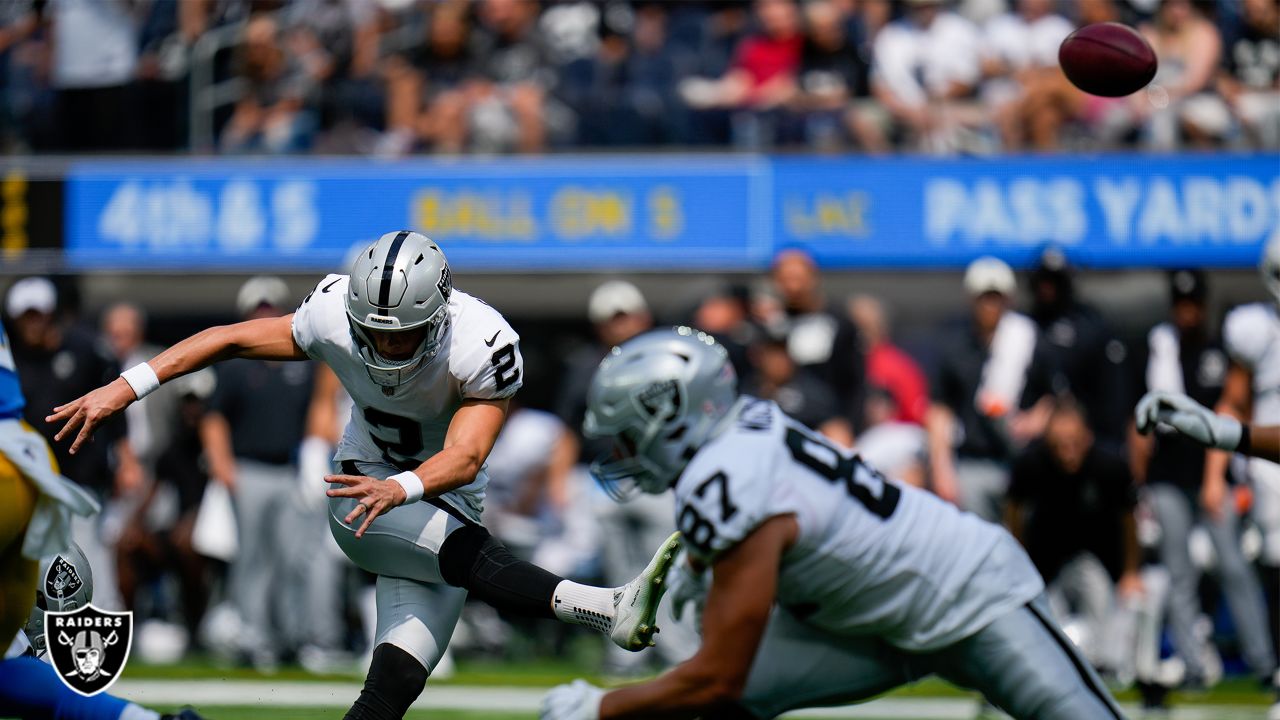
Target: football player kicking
<point>829,584</point>
<point>430,370</point>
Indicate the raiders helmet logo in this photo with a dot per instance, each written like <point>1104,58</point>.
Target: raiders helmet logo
<point>661,399</point>
<point>445,285</point>
<point>89,647</point>
<point>62,581</point>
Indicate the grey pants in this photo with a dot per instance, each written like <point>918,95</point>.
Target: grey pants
<point>1021,663</point>
<point>286,580</point>
<point>1083,589</point>
<point>1177,515</point>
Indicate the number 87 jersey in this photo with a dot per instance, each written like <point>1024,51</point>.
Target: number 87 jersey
<point>872,557</point>
<point>479,358</point>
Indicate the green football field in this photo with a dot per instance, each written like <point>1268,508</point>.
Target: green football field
<point>510,691</point>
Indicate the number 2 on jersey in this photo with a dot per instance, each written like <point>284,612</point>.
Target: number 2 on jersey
<point>408,433</point>
<point>832,464</point>
<point>504,363</point>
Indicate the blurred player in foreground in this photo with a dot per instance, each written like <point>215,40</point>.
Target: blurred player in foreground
<point>875,584</point>
<point>431,370</point>
<point>36,504</point>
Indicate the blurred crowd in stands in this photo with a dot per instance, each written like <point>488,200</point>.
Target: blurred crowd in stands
<point>1020,411</point>
<point>396,77</point>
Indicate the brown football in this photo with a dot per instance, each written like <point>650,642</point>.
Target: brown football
<point>1107,59</point>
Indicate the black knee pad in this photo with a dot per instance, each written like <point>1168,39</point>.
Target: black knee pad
<point>473,559</point>
<point>395,680</point>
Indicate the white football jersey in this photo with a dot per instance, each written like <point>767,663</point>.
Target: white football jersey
<point>872,557</point>
<point>1251,335</point>
<point>479,358</point>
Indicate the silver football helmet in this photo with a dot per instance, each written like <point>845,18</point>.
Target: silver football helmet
<point>660,396</point>
<point>1270,266</point>
<point>66,583</point>
<point>399,283</point>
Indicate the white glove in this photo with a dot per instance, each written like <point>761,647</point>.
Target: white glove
<point>1189,418</point>
<point>315,460</point>
<point>686,585</point>
<point>579,700</point>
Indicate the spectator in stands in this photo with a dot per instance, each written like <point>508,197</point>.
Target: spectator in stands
<point>1071,504</point>
<point>17,23</point>
<point>927,68</point>
<point>832,84</point>
<point>1020,53</point>
<point>624,94</point>
<point>146,554</point>
<point>888,366</point>
<point>424,100</point>
<point>762,77</point>
<point>1078,352</point>
<point>819,336</point>
<point>57,363</point>
<point>1185,356</point>
<point>1182,107</point>
<point>256,421</point>
<point>798,391</point>
<point>1050,103</point>
<point>95,59</point>
<point>977,394</point>
<point>336,43</point>
<point>124,328</point>
<point>1250,82</point>
<point>275,114</point>
<point>508,103</point>
<point>897,449</point>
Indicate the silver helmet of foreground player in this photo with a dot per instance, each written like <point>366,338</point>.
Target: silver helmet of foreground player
<point>401,283</point>
<point>660,396</point>
<point>1270,266</point>
<point>66,583</point>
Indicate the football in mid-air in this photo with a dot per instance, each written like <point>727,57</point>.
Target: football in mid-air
<point>1107,59</point>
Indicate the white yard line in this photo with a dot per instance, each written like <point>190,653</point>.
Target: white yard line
<point>212,693</point>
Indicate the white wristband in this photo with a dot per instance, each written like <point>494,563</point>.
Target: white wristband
<point>412,485</point>
<point>142,379</point>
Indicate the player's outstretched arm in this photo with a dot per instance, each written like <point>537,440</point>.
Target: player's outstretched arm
<point>739,604</point>
<point>264,339</point>
<point>1222,432</point>
<point>471,434</point>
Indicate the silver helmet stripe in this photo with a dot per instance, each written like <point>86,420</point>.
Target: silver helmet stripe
<point>388,271</point>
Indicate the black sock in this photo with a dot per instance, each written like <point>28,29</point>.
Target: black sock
<point>395,680</point>
<point>471,558</point>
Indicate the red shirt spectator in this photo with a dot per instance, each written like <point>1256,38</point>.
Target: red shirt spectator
<point>773,54</point>
<point>887,365</point>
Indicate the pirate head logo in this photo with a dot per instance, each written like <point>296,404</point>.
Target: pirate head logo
<point>661,399</point>
<point>61,583</point>
<point>88,647</point>
<point>445,285</point>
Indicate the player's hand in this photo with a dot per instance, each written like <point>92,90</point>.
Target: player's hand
<point>1189,418</point>
<point>579,700</point>
<point>374,497</point>
<point>1213,493</point>
<point>89,411</point>
<point>685,585</point>
<point>1130,585</point>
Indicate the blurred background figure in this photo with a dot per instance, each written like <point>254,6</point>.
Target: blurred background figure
<point>889,366</point>
<point>898,449</point>
<point>255,422</point>
<point>819,336</point>
<point>1078,352</point>
<point>1250,78</point>
<point>1059,485</point>
<point>56,363</point>
<point>275,114</point>
<point>1019,56</point>
<point>797,390</point>
<point>1181,107</point>
<point>977,403</point>
<point>927,69</point>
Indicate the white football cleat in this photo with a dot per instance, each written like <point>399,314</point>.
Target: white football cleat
<point>635,605</point>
